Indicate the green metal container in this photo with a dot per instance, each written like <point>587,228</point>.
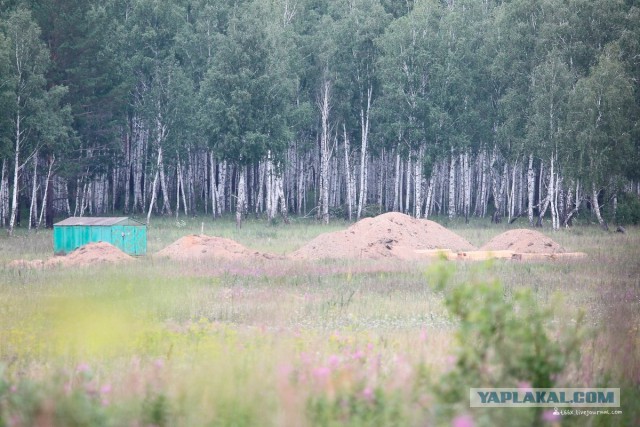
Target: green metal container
<point>127,234</point>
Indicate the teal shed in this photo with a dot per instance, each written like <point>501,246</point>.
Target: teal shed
<point>127,234</point>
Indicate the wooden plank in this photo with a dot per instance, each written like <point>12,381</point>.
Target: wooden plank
<point>484,255</point>
<point>436,253</point>
<point>549,257</point>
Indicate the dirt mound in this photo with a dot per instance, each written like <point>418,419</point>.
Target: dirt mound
<point>25,263</point>
<point>90,254</point>
<point>199,247</point>
<point>523,241</point>
<point>389,235</point>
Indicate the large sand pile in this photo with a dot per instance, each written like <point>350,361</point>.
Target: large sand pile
<point>90,254</point>
<point>200,247</point>
<point>389,235</point>
<point>523,241</point>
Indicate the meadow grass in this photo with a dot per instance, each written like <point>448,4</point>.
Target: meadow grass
<point>287,342</point>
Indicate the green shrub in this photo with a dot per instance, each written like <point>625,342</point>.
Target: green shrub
<point>628,209</point>
<point>500,343</point>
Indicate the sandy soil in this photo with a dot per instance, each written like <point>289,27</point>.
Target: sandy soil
<point>523,241</point>
<point>390,235</point>
<point>93,253</point>
<point>202,247</point>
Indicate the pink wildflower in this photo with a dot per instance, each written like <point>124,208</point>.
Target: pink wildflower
<point>358,355</point>
<point>367,394</point>
<point>83,368</point>
<point>524,386</point>
<point>551,416</point>
<point>334,361</point>
<point>463,421</point>
<point>322,373</point>
<point>105,389</point>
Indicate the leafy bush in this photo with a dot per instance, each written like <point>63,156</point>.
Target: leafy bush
<point>500,343</point>
<point>628,209</point>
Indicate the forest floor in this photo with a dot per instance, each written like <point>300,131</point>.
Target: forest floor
<point>265,337</point>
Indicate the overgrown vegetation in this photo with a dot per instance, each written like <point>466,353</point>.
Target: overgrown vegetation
<point>328,343</point>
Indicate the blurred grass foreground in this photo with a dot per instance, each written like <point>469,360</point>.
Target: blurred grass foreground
<point>302,343</point>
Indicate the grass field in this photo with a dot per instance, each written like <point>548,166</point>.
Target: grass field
<point>297,343</point>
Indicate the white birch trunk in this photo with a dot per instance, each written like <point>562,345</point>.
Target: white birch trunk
<point>178,173</point>
<point>381,180</point>
<point>407,180</point>
<point>364,124</point>
<point>138,153</point>
<point>222,185</point>
<point>154,190</point>
<point>191,180</point>
<point>595,204</point>
<point>531,183</point>
<point>166,206</point>
<point>396,185</point>
<point>544,204</point>
<point>430,190</point>
<point>324,152</point>
<point>557,201</point>
<point>347,171</point>
<point>240,204</point>
<point>212,184</point>
<point>16,169</point>
<point>154,186</point>
<point>300,170</point>
<point>512,192</point>
<point>479,183</point>
<point>467,186</point>
<point>281,199</point>
<point>452,186</point>
<point>4,194</point>
<point>417,211</point>
<point>485,186</point>
<point>574,211</point>
<point>260,203</point>
<point>180,190</point>
<point>552,195</point>
<point>33,208</point>
<point>128,169</point>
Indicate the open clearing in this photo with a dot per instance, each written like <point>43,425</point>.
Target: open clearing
<point>265,338</point>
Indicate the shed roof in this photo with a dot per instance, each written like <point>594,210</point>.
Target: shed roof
<point>99,221</point>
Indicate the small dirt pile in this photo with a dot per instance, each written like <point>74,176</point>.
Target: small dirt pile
<point>389,235</point>
<point>523,241</point>
<point>201,247</point>
<point>25,263</point>
<point>90,254</point>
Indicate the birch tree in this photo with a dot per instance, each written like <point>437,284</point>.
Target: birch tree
<point>551,83</point>
<point>244,95</point>
<point>35,111</point>
<point>359,23</point>
<point>601,126</point>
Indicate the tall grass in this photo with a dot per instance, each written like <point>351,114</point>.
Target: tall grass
<point>283,342</point>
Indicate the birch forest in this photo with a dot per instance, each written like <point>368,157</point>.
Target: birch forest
<point>331,109</point>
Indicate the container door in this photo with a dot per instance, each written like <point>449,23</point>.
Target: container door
<point>140,240</point>
<point>80,237</point>
<point>58,240</point>
<point>129,244</point>
<point>118,237</point>
<point>96,234</point>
